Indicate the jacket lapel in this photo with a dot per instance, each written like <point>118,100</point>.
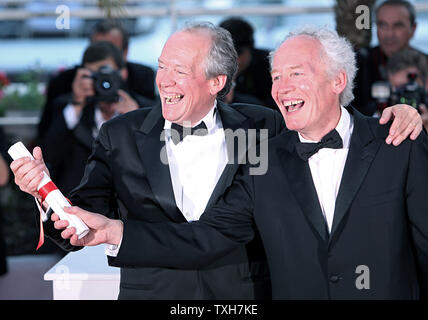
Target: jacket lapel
<point>232,120</point>
<point>151,148</point>
<point>300,179</point>
<point>362,151</point>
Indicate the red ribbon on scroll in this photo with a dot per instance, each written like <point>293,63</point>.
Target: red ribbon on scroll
<point>41,235</point>
<point>44,191</point>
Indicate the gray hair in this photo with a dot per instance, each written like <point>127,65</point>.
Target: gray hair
<point>338,51</point>
<point>222,58</point>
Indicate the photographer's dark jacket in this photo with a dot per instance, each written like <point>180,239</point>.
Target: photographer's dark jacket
<point>65,151</point>
<point>140,81</point>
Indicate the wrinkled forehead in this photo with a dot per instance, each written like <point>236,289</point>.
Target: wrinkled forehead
<point>186,45</point>
<point>300,49</point>
<point>194,39</point>
<point>392,13</point>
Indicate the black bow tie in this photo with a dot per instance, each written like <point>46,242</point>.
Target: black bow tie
<point>307,149</point>
<point>199,130</point>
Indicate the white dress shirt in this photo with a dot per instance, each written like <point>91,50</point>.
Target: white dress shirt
<point>196,164</point>
<point>72,119</point>
<point>327,167</point>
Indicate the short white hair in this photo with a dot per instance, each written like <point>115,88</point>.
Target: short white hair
<point>222,57</point>
<point>339,52</point>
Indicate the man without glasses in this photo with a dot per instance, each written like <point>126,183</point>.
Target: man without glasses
<point>303,248</point>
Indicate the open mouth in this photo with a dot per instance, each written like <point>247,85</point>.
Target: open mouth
<point>293,105</point>
<point>173,99</point>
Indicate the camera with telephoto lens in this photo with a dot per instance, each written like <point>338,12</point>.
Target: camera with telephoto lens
<point>410,93</point>
<point>107,82</point>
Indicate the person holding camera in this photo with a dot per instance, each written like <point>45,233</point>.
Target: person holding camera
<point>395,25</point>
<point>252,83</point>
<point>407,73</point>
<point>139,78</point>
<point>99,93</point>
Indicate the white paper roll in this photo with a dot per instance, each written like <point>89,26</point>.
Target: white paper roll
<point>55,199</point>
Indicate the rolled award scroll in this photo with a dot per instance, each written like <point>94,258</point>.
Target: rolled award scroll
<point>51,194</point>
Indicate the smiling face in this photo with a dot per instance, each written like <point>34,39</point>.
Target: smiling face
<point>394,29</point>
<point>306,96</point>
<point>186,94</point>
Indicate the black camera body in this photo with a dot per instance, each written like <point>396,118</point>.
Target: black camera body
<point>410,93</point>
<point>107,83</point>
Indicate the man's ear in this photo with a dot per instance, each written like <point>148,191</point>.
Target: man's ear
<point>339,82</point>
<point>217,83</point>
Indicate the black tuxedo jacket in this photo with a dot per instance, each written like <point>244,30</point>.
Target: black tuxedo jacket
<point>378,246</point>
<point>126,179</point>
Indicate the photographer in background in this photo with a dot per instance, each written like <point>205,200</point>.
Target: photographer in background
<point>395,26</point>
<point>99,94</point>
<point>407,72</point>
<point>253,80</point>
<point>139,78</point>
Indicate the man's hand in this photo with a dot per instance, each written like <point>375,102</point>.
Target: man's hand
<point>101,228</point>
<point>82,88</point>
<point>407,121</point>
<point>125,103</point>
<point>28,173</point>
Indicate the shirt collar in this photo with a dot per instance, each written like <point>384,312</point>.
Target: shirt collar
<point>344,128</point>
<point>210,119</point>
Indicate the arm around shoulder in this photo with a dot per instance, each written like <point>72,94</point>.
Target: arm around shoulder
<point>222,228</point>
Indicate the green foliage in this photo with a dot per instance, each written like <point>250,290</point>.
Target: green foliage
<point>112,8</point>
<point>28,99</point>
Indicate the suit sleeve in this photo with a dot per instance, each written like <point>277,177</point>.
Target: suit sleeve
<point>94,191</point>
<point>417,206</point>
<point>224,226</point>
